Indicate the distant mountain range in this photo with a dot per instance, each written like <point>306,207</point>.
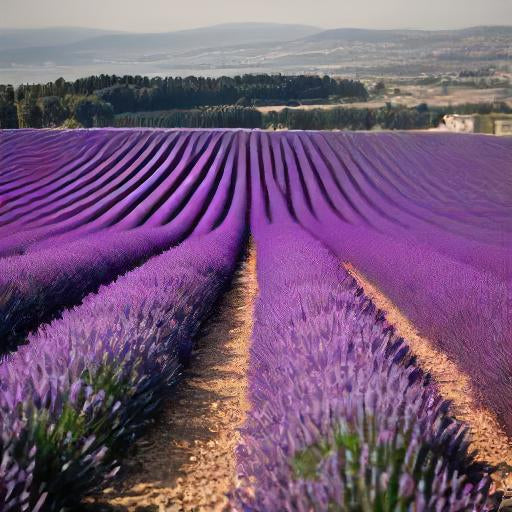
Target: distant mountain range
<point>45,54</point>
<point>383,36</point>
<point>65,41</point>
<point>34,37</point>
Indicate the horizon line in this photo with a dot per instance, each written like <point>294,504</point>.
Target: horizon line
<point>114,31</point>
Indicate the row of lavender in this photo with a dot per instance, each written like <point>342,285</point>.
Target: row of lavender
<point>432,229</point>
<point>348,422</point>
<point>191,187</point>
<point>83,386</point>
<point>76,395</point>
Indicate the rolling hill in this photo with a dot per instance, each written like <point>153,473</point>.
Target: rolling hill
<point>231,49</point>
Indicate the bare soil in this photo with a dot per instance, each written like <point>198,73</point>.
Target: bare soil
<point>186,462</point>
<point>487,436</point>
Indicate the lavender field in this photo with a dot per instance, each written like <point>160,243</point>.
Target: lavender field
<point>117,248</point>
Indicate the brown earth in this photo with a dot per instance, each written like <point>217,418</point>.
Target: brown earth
<point>186,461</point>
<point>487,436</point>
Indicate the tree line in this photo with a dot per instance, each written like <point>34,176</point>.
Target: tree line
<point>227,116</point>
<point>19,109</point>
<point>389,117</point>
<point>225,102</point>
<point>95,99</point>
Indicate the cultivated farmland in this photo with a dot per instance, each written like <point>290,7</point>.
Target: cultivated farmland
<point>121,253</point>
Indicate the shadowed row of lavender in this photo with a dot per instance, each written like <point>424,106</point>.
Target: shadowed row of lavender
<point>427,217</point>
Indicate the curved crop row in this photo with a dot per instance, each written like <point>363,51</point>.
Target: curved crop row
<point>456,288</point>
<point>127,189</point>
<point>58,272</point>
<point>84,385</point>
<point>341,417</point>
<point>34,288</point>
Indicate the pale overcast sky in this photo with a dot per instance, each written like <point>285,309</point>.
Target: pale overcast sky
<point>166,15</point>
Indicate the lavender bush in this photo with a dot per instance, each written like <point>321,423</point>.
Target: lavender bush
<point>349,422</point>
<point>85,384</point>
<point>440,267</point>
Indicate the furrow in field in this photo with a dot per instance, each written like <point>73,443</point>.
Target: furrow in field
<point>44,167</point>
<point>342,183</point>
<point>203,156</point>
<point>371,205</point>
<point>81,161</point>
<point>17,146</point>
<point>458,175</point>
<point>487,435</point>
<point>98,173</point>
<point>165,167</point>
<point>187,459</point>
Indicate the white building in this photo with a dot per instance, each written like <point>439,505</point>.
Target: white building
<point>497,124</point>
<point>458,123</point>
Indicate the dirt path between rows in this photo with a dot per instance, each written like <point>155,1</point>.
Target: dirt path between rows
<point>487,436</point>
<point>186,461</point>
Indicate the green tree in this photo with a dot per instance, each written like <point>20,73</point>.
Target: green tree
<point>89,110</point>
<point>8,114</point>
<point>29,113</point>
<point>52,110</point>
<point>84,111</point>
<point>104,114</point>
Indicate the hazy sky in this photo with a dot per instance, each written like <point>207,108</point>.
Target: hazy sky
<point>164,15</point>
